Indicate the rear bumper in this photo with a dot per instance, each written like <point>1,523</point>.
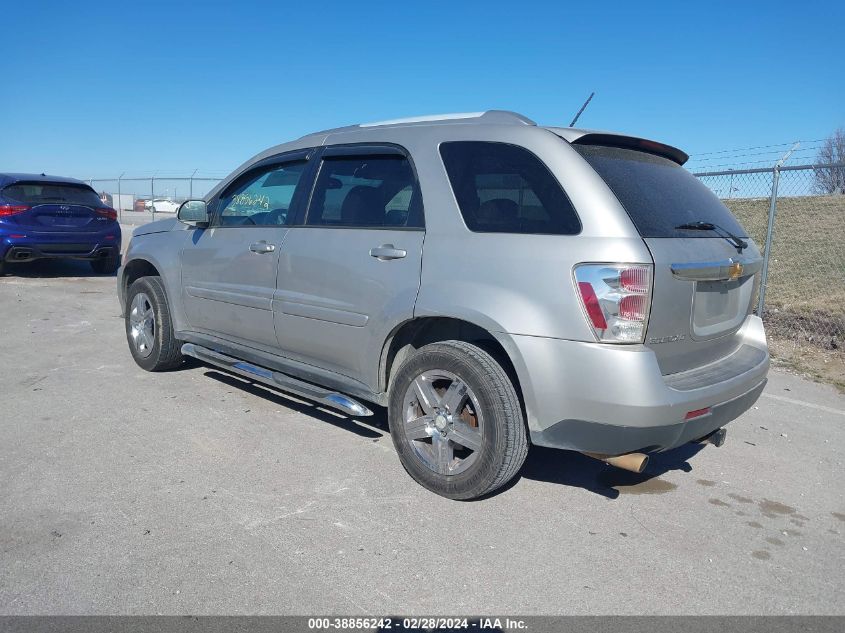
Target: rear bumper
<point>24,247</point>
<point>612,399</point>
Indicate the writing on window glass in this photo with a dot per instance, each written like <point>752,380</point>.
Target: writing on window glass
<point>250,200</point>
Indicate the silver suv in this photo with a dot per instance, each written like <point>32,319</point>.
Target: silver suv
<point>493,283</point>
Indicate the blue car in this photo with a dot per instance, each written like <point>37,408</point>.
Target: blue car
<point>50,217</point>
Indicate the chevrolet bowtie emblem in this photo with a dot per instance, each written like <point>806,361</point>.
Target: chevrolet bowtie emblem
<point>735,270</point>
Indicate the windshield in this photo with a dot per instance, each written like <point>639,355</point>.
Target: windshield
<point>658,194</point>
<point>52,193</point>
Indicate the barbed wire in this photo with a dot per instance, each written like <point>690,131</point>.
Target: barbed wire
<point>806,155</point>
<point>799,150</point>
<point>744,149</point>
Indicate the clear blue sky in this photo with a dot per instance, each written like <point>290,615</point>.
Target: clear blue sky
<point>94,89</point>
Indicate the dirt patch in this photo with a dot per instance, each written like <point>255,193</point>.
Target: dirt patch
<point>740,498</point>
<point>772,509</point>
<point>647,487</point>
<point>808,360</point>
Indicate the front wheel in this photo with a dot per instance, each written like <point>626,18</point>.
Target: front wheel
<point>149,329</point>
<point>456,420</point>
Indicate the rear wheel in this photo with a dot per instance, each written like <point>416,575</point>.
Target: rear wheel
<point>106,265</point>
<point>2,267</point>
<point>149,329</point>
<point>456,421</point>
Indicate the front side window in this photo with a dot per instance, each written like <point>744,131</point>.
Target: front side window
<point>366,191</point>
<point>502,188</point>
<point>263,198</point>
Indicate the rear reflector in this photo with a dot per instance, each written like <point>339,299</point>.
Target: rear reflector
<point>12,209</point>
<point>591,305</point>
<point>697,413</point>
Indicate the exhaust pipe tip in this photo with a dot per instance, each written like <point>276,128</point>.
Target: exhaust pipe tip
<point>632,462</point>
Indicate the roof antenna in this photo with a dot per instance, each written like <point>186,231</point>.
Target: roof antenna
<point>583,107</point>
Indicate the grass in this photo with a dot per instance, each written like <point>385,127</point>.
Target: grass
<point>805,297</point>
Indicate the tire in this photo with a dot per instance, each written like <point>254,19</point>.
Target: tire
<point>149,329</point>
<point>456,421</point>
<point>2,267</point>
<point>106,265</point>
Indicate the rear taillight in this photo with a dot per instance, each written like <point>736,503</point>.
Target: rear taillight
<point>616,300</point>
<point>12,209</point>
<point>107,212</point>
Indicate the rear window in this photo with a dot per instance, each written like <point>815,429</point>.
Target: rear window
<point>47,193</point>
<point>503,188</point>
<point>658,194</point>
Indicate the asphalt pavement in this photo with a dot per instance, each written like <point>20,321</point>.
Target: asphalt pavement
<point>196,492</point>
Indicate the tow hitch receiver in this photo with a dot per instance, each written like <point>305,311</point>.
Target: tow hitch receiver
<point>716,438</point>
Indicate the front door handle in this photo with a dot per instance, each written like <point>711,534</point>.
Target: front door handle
<point>262,247</point>
<point>387,251</point>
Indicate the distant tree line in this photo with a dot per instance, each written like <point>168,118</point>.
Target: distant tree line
<point>831,180</point>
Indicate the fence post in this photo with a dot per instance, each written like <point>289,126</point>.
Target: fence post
<point>119,200</point>
<point>191,186</point>
<point>153,196</point>
<point>764,277</point>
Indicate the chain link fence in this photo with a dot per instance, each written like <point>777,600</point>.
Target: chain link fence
<point>142,199</point>
<point>796,215</point>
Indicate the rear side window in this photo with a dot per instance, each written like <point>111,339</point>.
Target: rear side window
<point>503,188</point>
<point>658,194</point>
<point>366,191</point>
<point>56,193</point>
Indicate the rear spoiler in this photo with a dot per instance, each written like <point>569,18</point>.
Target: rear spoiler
<point>632,142</point>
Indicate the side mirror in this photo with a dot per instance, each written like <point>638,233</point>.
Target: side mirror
<point>194,212</point>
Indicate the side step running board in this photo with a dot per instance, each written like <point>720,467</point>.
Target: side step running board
<point>284,382</point>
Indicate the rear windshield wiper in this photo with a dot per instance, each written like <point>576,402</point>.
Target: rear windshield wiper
<point>737,241</point>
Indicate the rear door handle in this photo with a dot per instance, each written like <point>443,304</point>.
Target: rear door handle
<point>262,247</point>
<point>387,251</point>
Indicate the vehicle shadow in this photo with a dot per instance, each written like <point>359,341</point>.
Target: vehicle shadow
<point>565,468</point>
<point>373,427</point>
<point>51,269</point>
<point>569,468</point>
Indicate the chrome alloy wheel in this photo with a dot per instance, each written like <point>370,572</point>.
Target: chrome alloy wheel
<point>443,422</point>
<point>142,324</point>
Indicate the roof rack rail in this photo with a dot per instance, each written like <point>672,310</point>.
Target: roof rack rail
<point>504,117</point>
